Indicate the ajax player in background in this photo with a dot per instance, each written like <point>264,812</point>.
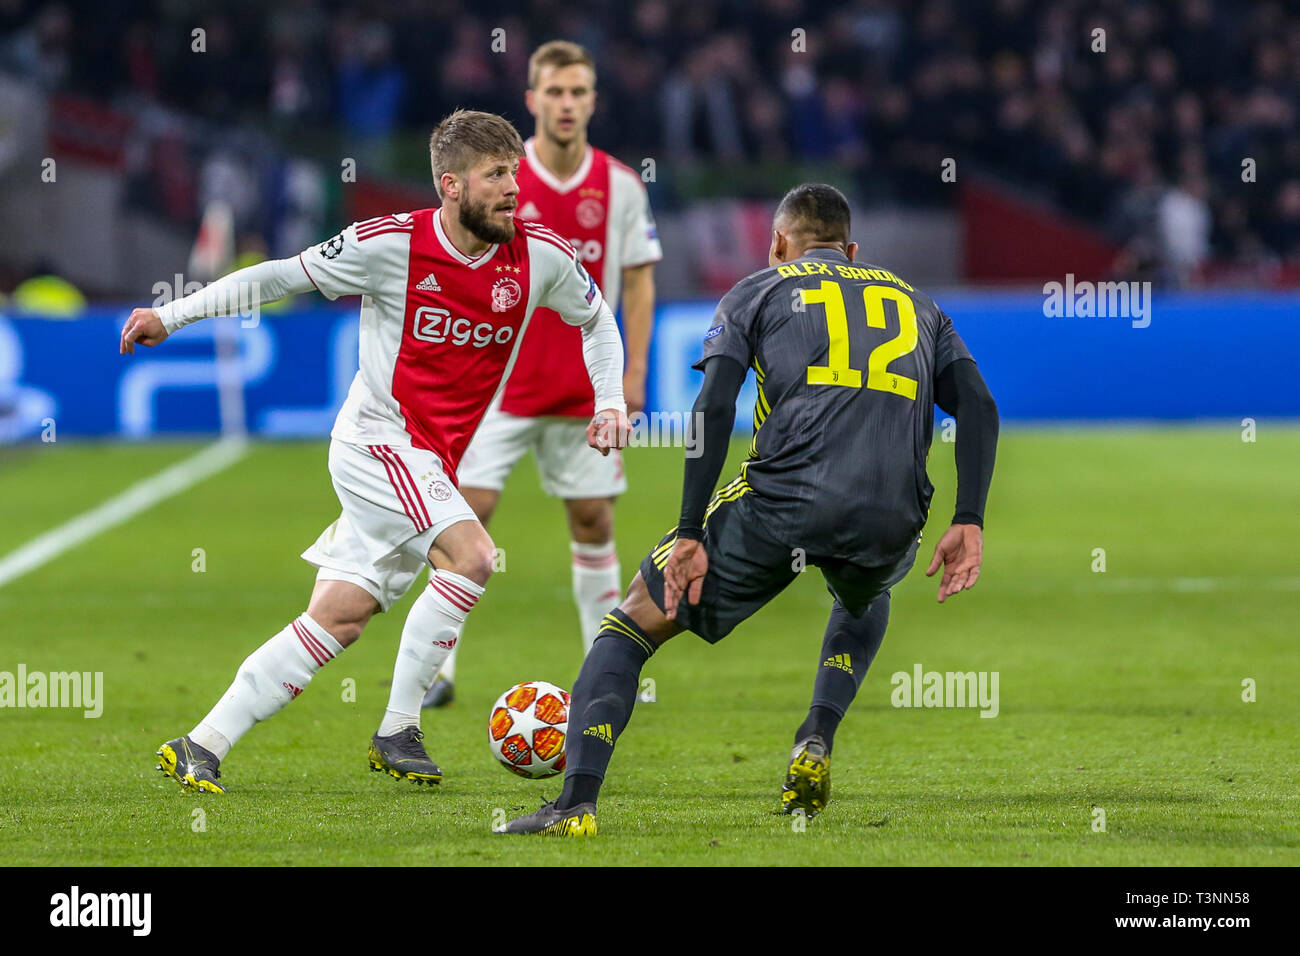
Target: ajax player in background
<point>850,361</point>
<point>600,206</point>
<point>447,295</point>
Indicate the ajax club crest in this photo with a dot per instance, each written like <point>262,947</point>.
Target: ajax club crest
<point>590,212</point>
<point>505,295</point>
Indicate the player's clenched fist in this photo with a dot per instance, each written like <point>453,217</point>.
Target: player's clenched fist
<point>608,429</point>
<point>144,327</point>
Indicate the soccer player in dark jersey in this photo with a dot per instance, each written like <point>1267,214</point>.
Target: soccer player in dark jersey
<point>850,362</point>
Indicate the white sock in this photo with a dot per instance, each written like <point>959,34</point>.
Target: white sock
<point>269,678</point>
<point>596,587</point>
<point>432,629</point>
<point>448,670</point>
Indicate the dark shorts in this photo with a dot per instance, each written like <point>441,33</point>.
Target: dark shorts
<point>748,567</point>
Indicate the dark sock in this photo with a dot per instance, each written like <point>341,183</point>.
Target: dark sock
<point>601,705</point>
<point>848,649</point>
<point>821,721</point>
<point>579,788</point>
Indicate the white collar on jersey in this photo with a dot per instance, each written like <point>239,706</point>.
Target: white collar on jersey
<point>548,177</point>
<point>456,253</point>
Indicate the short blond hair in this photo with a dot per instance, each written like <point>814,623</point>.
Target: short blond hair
<point>558,53</point>
<point>467,137</point>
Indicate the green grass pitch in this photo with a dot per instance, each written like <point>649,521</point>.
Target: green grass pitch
<point>1119,690</point>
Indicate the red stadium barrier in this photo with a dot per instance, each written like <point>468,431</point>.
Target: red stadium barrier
<point>1008,238</point>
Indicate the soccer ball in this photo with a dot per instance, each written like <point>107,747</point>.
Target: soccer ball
<point>527,729</point>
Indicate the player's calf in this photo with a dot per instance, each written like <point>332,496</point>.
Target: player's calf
<point>267,680</point>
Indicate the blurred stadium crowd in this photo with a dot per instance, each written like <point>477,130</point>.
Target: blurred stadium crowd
<point>1146,140</point>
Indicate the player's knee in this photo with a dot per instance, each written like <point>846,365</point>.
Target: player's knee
<point>637,592</point>
<point>591,521</point>
<point>342,609</point>
<point>476,563</point>
<point>344,624</point>
<point>345,632</point>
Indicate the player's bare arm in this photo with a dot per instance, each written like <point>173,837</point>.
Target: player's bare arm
<point>638,324</point>
<point>959,390</point>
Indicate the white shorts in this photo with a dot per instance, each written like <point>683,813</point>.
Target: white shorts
<point>569,467</point>
<point>395,502</point>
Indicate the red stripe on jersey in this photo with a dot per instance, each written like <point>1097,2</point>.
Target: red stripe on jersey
<point>314,641</point>
<point>458,589</point>
<point>302,639</point>
<point>384,228</point>
<point>381,232</point>
<point>558,243</point>
<point>448,596</point>
<point>304,269</point>
<point>369,231</point>
<point>398,487</point>
<point>380,221</point>
<point>411,486</point>
<point>542,232</point>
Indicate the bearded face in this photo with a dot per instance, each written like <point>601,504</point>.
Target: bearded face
<point>477,215</point>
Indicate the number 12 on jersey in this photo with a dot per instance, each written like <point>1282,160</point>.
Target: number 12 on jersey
<point>837,370</point>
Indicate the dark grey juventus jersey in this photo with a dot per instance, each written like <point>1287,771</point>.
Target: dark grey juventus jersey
<point>845,355</point>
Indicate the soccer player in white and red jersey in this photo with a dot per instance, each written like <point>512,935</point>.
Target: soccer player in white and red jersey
<point>447,295</point>
<point>601,207</point>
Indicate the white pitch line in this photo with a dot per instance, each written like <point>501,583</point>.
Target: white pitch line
<point>1192,585</point>
<point>139,497</point>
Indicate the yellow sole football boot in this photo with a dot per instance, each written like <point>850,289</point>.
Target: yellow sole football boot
<point>807,785</point>
<point>548,821</point>
<point>192,766</point>
<point>401,755</point>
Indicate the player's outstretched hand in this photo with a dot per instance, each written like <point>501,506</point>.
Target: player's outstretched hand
<point>684,574</point>
<point>960,551</point>
<point>144,327</point>
<point>608,429</point>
